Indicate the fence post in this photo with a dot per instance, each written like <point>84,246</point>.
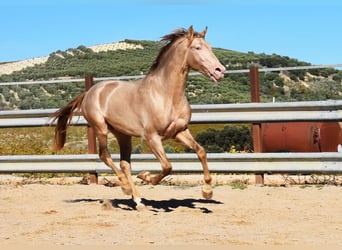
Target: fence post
<point>89,81</point>
<point>256,127</point>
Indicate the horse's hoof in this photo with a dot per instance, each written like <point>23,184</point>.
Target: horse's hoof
<point>145,176</point>
<point>139,205</point>
<point>207,191</point>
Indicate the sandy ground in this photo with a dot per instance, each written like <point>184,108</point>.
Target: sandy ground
<point>98,215</point>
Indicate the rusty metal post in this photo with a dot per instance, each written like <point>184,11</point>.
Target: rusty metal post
<point>93,178</point>
<point>256,127</point>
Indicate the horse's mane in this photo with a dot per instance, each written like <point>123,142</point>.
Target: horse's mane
<point>169,40</point>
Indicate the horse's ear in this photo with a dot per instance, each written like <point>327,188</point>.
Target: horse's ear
<point>204,32</point>
<point>191,33</point>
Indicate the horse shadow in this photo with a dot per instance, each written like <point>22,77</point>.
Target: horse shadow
<point>154,205</point>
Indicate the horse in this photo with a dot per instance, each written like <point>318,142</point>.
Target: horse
<point>154,108</point>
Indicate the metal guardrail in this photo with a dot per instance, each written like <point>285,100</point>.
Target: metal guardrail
<point>221,162</point>
<point>330,110</point>
<point>303,163</point>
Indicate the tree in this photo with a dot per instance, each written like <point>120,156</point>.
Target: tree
<point>214,140</point>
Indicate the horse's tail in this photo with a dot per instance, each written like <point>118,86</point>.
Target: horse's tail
<point>63,117</point>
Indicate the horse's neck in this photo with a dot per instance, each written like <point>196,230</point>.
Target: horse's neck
<point>170,75</point>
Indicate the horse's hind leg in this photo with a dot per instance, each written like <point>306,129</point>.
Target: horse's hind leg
<point>107,159</point>
<point>125,143</point>
<point>187,140</point>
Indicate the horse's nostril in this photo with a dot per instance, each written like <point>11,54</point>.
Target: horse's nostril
<point>220,70</point>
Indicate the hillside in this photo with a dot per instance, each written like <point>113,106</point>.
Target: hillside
<point>134,57</point>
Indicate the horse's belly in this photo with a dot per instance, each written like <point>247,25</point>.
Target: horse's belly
<point>125,126</point>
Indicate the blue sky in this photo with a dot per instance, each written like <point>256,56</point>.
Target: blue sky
<point>307,30</point>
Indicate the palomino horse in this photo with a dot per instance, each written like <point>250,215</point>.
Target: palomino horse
<point>154,108</point>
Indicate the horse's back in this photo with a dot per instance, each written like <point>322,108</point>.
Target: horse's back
<point>107,90</point>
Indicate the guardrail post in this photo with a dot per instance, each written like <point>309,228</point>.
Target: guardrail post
<point>256,127</point>
<point>89,81</point>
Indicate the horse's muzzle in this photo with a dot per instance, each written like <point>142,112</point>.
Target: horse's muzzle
<point>217,75</point>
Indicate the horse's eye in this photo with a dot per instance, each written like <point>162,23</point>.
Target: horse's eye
<point>197,47</point>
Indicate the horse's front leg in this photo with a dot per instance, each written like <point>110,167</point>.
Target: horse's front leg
<point>155,144</point>
<point>187,140</point>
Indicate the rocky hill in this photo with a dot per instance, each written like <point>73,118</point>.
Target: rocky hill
<point>10,67</point>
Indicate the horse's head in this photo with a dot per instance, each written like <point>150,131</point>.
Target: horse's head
<point>201,57</point>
